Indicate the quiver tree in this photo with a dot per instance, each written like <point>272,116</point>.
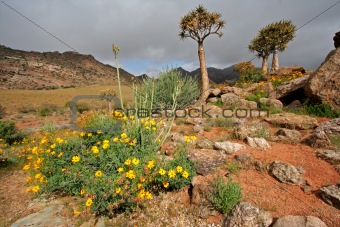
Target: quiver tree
<point>272,39</point>
<point>198,25</point>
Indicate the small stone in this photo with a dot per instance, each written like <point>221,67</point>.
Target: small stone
<point>228,147</point>
<point>259,143</point>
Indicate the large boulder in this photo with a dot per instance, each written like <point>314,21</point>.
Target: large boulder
<point>299,221</point>
<point>336,39</point>
<point>331,156</point>
<point>290,90</point>
<point>323,85</point>
<point>293,121</point>
<point>228,147</point>
<point>321,136</point>
<point>247,215</point>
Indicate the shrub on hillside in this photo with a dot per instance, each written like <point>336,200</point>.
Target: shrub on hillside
<point>9,132</point>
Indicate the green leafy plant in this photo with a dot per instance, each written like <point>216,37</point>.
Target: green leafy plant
<point>225,196</point>
<point>10,133</point>
<point>233,167</point>
<point>250,77</point>
<point>218,103</point>
<point>318,110</point>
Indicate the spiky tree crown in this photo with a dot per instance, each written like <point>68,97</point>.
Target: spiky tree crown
<point>199,23</point>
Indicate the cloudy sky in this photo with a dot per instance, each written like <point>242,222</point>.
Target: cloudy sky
<point>147,30</point>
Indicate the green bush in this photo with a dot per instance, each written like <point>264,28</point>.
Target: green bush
<point>169,88</point>
<point>9,132</point>
<point>318,110</point>
<point>250,77</point>
<point>225,195</point>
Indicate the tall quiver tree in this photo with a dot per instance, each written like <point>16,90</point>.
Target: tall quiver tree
<point>261,46</point>
<point>199,24</point>
<point>280,33</point>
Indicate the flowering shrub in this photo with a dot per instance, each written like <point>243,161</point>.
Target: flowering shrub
<point>111,171</point>
<point>280,79</point>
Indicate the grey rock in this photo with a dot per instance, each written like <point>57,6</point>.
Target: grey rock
<point>299,221</point>
<point>288,135</point>
<point>205,144</point>
<point>285,173</point>
<point>230,99</point>
<point>323,85</point>
<point>246,161</point>
<point>259,143</point>
<point>206,160</point>
<point>273,103</point>
<point>331,156</point>
<point>212,99</point>
<point>215,92</point>
<point>244,130</point>
<point>235,90</point>
<point>331,195</point>
<point>247,215</point>
<point>228,147</point>
<point>197,129</point>
<point>293,121</point>
<point>47,217</point>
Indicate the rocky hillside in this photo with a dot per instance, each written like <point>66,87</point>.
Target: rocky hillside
<point>50,70</point>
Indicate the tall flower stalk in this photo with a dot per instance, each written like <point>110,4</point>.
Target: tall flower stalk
<point>115,50</point>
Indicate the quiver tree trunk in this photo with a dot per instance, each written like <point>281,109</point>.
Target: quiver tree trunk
<point>275,61</point>
<point>204,73</point>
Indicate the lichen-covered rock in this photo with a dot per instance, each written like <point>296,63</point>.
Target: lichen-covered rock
<point>323,85</point>
<point>228,147</point>
<point>246,161</point>
<point>247,215</point>
<point>299,221</point>
<point>230,99</point>
<point>259,143</point>
<point>293,121</point>
<point>205,144</point>
<point>272,103</point>
<point>331,195</point>
<point>285,173</point>
<point>206,160</point>
<point>331,156</point>
<point>289,136</point>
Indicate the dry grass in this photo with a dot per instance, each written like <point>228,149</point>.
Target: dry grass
<point>13,100</point>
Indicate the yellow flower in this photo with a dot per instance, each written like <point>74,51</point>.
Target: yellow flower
<point>99,173</point>
<point>162,171</point>
<point>154,128</point>
<point>123,135</point>
<point>151,164</point>
<point>179,169</point>
<point>28,189</point>
<point>118,190</point>
<point>135,161</point>
<point>75,159</point>
<point>41,180</point>
<point>115,139</point>
<point>35,189</point>
<point>82,134</point>
<point>88,202</point>
<point>75,212</point>
<point>60,154</point>
<point>53,146</point>
<point>43,141</point>
<point>63,169</point>
<point>128,162</point>
<point>185,174</point>
<point>130,174</point>
<point>106,141</point>
<point>37,176</point>
<point>171,173</point>
<point>141,194</point>
<point>99,132</point>
<point>29,157</point>
<point>193,138</point>
<point>28,179</point>
<point>95,149</point>
<point>82,192</point>
<point>165,184</point>
<point>148,195</point>
<point>125,118</point>
<point>89,134</point>
<point>26,167</point>
<point>147,127</point>
<point>120,170</point>
<point>139,186</point>
<point>59,140</point>
<point>105,145</point>
<point>132,117</point>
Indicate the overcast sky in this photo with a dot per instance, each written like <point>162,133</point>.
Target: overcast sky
<point>147,30</point>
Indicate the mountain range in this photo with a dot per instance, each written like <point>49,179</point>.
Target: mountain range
<point>31,70</point>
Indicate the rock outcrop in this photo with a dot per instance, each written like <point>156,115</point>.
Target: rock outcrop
<point>336,39</point>
<point>285,173</point>
<point>331,195</point>
<point>323,85</point>
<point>293,121</point>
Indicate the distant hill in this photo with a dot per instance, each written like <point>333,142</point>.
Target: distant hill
<point>49,70</point>
<point>142,77</point>
<point>217,76</point>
